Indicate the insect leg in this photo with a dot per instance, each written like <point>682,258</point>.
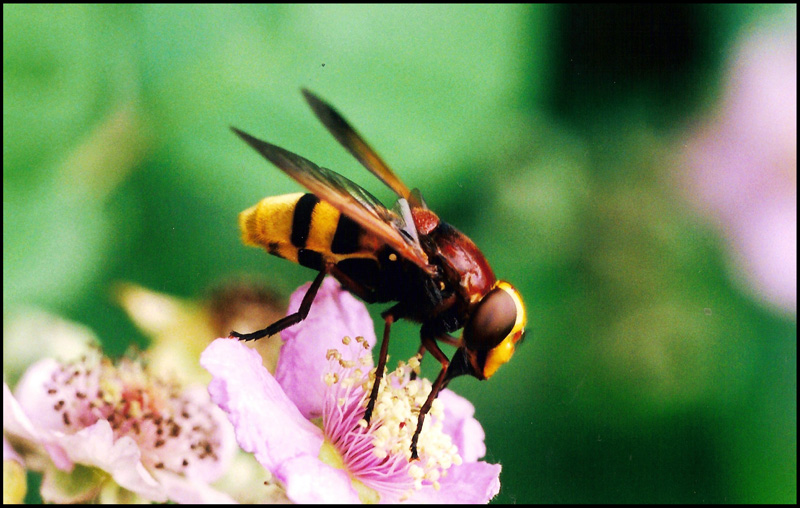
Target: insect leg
<point>390,316</point>
<point>446,338</point>
<point>430,344</point>
<point>449,339</point>
<point>291,319</point>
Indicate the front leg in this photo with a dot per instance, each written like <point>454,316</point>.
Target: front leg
<point>430,344</point>
<point>446,338</point>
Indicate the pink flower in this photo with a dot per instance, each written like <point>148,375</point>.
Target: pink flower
<point>305,425</point>
<point>150,437</point>
<point>742,167</point>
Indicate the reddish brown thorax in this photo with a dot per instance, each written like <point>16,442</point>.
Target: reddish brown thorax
<point>425,220</point>
<point>459,255</point>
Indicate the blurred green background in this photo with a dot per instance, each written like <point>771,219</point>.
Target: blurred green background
<point>551,135</point>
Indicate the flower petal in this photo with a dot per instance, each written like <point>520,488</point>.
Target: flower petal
<point>92,446</point>
<point>31,394</point>
<point>334,315</point>
<point>224,439</point>
<point>15,421</point>
<point>267,423</point>
<point>184,490</point>
<point>95,446</point>
<point>309,480</point>
<point>472,483</point>
<point>464,430</point>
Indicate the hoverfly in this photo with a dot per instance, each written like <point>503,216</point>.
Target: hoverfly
<point>436,274</point>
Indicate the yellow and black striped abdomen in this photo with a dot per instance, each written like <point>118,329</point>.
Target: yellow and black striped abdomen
<point>301,228</point>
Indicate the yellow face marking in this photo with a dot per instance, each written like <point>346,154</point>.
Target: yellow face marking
<point>499,355</point>
<point>503,352</point>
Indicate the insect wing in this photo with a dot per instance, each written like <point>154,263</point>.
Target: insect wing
<point>344,195</point>
<point>355,144</point>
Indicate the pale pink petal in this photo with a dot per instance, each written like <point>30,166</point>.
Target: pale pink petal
<point>464,430</point>
<point>15,421</point>
<point>334,314</point>
<point>308,480</point>
<point>210,470</point>
<point>181,489</point>
<point>766,247</point>
<point>95,446</point>
<point>472,483</point>
<point>741,167</point>
<point>267,423</point>
<point>31,393</point>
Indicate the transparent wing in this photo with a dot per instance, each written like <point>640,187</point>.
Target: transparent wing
<point>355,144</point>
<point>344,195</point>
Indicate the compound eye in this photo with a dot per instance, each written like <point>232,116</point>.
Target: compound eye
<point>491,322</point>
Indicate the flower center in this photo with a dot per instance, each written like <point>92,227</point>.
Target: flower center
<point>173,429</point>
<point>394,422</point>
<point>331,456</point>
<point>378,454</point>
